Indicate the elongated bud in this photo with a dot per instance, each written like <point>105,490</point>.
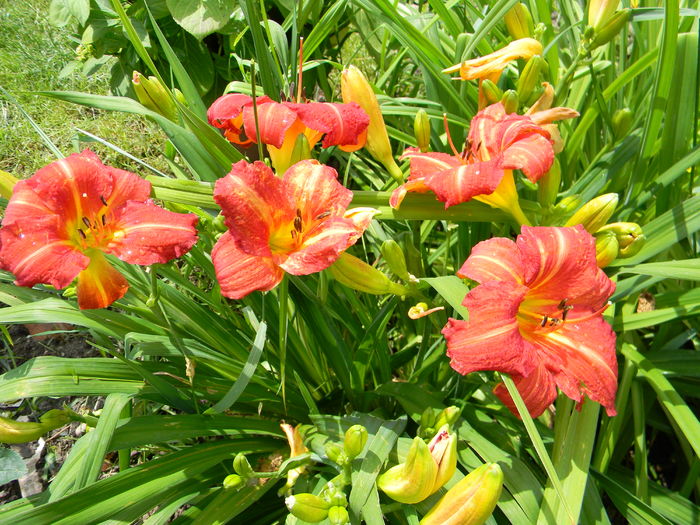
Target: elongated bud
<point>448,416</point>
<point>7,182</point>
<point>153,95</point>
<point>307,507</point>
<point>530,77</point>
<point>606,248</point>
<point>338,515</point>
<point>241,466</point>
<point>610,30</point>
<point>355,88</point>
<point>567,205</point>
<point>443,448</point>
<point>358,275</point>
<point>334,451</point>
<point>600,11</point>
<point>519,22</point>
<point>622,122</point>
<point>12,431</point>
<point>233,481</point>
<point>334,495</point>
<point>421,130</point>
<point>629,236</point>
<point>492,93</point>
<point>301,151</point>
<point>510,101</point>
<point>394,257</point>
<point>548,186</point>
<point>428,418</point>
<point>413,480</point>
<point>471,501</point>
<point>595,213</point>
<point>355,440</point>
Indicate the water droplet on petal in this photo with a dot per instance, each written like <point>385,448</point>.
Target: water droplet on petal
<point>84,195</point>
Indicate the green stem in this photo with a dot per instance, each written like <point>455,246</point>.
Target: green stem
<point>283,297</point>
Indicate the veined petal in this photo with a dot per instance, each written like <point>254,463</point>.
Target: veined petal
<point>464,182</point>
<point>321,247</point>
<point>126,186</point>
<point>496,259</point>
<point>490,339</point>
<point>533,155</point>
<point>342,123</point>
<point>274,118</point>
<point>413,186</point>
<point>360,217</point>
<point>36,252</point>
<point>423,164</point>
<point>239,273</point>
<point>582,358</point>
<point>537,390</point>
<point>148,234</point>
<point>252,199</point>
<point>100,284</point>
<point>227,107</point>
<point>314,190</point>
<point>25,204</point>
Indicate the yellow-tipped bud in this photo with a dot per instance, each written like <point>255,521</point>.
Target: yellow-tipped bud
<point>606,248</point>
<point>358,275</point>
<point>510,101</point>
<point>622,122</point>
<point>471,501</point>
<point>355,88</point>
<point>153,95</point>
<point>611,28</point>
<point>443,448</point>
<point>355,440</point>
<point>7,182</point>
<point>448,416</point>
<point>12,431</point>
<point>519,22</point>
<point>629,236</point>
<point>548,186</point>
<point>530,77</point>
<point>421,130</point>
<point>595,213</point>
<point>307,507</point>
<point>413,480</point>
<point>492,93</point>
<point>338,515</point>
<point>600,11</point>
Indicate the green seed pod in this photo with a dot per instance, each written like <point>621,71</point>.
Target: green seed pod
<point>421,130</point>
<point>595,213</point>
<point>491,91</point>
<point>307,507</point>
<point>338,515</point>
<point>519,22</point>
<point>510,101</point>
<point>355,440</point>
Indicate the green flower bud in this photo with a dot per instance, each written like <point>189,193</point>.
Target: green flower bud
<point>510,101</point>
<point>12,431</point>
<point>567,205</point>
<point>447,416</point>
<point>548,186</point>
<point>355,440</point>
<point>241,466</point>
<point>333,451</point>
<point>232,481</point>
<point>358,275</point>
<point>491,91</point>
<point>606,248</point>
<point>443,448</point>
<point>307,507</point>
<point>338,516</point>
<point>471,501</point>
<point>519,22</point>
<point>413,480</point>
<point>595,213</point>
<point>428,418</point>
<point>7,182</point>
<point>621,122</point>
<point>530,77</point>
<point>421,130</point>
<point>606,33</point>
<point>153,95</point>
<point>394,257</point>
<point>600,11</point>
<point>629,236</point>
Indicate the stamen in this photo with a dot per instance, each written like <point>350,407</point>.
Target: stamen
<point>565,312</point>
<point>322,215</point>
<point>297,221</point>
<point>301,65</point>
<point>104,220</point>
<point>104,201</point>
<point>82,233</point>
<point>562,303</point>
<point>293,234</point>
<point>590,316</point>
<point>544,321</point>
<point>449,137</point>
<point>86,222</point>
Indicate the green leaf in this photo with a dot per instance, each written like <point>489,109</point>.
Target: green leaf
<point>453,290</point>
<point>201,17</point>
<point>12,465</point>
<point>688,269</point>
<point>60,13</point>
<point>632,509</point>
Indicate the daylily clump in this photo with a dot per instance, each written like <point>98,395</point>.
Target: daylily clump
<point>60,222</point>
<point>344,125</point>
<point>537,315</point>
<point>297,224</point>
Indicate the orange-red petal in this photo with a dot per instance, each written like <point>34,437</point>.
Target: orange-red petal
<point>274,118</point>
<point>343,124</point>
<point>423,164</point>
<point>465,182</point>
<point>533,155</point>
<point>239,273</point>
<point>100,284</point>
<point>496,259</point>
<point>537,390</point>
<point>314,189</point>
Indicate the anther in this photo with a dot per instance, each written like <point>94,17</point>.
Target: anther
<point>104,201</point>
<point>86,222</point>
<point>104,220</point>
<point>322,215</point>
<point>82,233</point>
<point>297,221</point>
<point>544,321</point>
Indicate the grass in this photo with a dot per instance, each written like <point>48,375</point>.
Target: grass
<point>32,62</point>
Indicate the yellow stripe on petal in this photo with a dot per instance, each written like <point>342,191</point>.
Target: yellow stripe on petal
<point>100,284</point>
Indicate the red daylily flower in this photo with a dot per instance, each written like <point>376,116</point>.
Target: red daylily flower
<point>497,144</point>
<point>345,125</point>
<point>61,221</point>
<point>296,224</point>
<point>537,315</point>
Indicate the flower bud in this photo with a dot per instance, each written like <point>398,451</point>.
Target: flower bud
<point>606,248</point>
<point>394,257</point>
<point>7,182</point>
<point>548,186</point>
<point>471,501</point>
<point>510,101</point>
<point>629,236</point>
<point>307,507</point>
<point>448,416</point>
<point>421,130</point>
<point>519,22</point>
<point>232,481</point>
<point>567,205</point>
<point>428,418</point>
<point>334,452</point>
<point>443,448</point>
<point>153,95</point>
<point>355,88</point>
<point>12,431</point>
<point>595,213</point>
<point>338,515</point>
<point>530,77</point>
<point>492,93</point>
<point>241,466</point>
<point>413,480</point>
<point>355,440</point>
<point>358,275</point>
<point>600,11</point>
<point>621,122</point>
<point>606,33</point>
